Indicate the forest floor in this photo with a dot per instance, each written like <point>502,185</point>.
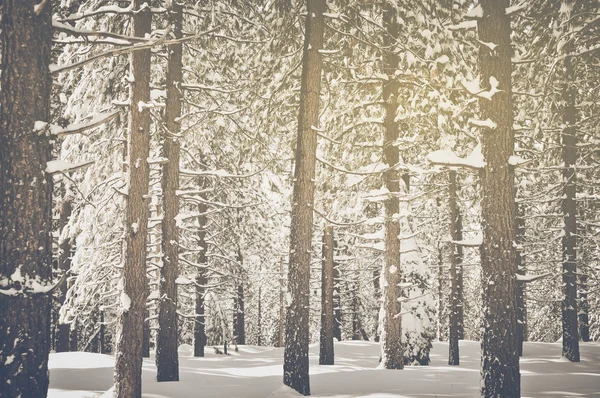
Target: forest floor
<point>256,372</point>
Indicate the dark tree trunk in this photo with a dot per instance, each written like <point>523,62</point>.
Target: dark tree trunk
<point>167,361</point>
<point>295,365</point>
<point>281,306</point>
<point>356,334</point>
<point>74,337</point>
<point>460,306</point>
<point>146,335</point>
<point>25,198</point>
<point>570,332</point>
<point>500,360</point>
<point>455,264</point>
<point>64,264</point>
<point>440,294</point>
<point>521,310</point>
<point>392,350</point>
<point>199,324</point>
<point>326,353</point>
<point>337,301</point>
<point>128,361</point>
<point>239,330</point>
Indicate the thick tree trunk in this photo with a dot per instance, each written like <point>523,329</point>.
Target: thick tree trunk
<point>500,360</point>
<point>326,353</point>
<point>455,263</point>
<point>64,264</point>
<point>295,366</point>
<point>25,198</point>
<point>167,361</point>
<point>570,332</point>
<point>392,350</point>
<point>199,324</point>
<point>128,364</point>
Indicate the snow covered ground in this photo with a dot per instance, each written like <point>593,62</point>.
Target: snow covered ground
<point>256,372</point>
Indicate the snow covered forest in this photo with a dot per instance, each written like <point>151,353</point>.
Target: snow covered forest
<point>273,198</point>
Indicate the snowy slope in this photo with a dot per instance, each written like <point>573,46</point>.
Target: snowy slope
<point>256,372</point>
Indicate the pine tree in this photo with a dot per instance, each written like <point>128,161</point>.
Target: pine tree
<point>392,352</point>
<point>295,366</point>
<point>500,360</point>
<point>128,365</point>
<point>26,198</point>
<point>167,361</point>
<point>326,352</point>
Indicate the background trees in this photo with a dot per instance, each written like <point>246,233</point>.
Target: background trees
<point>406,93</point>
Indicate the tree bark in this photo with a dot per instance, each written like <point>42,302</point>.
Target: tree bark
<point>281,306</point>
<point>500,360</point>
<point>239,321</point>
<point>453,335</point>
<point>326,353</point>
<point>25,198</point>
<point>295,366</point>
<point>199,325</point>
<point>521,310</point>
<point>128,361</point>
<point>570,332</point>
<point>64,264</point>
<point>392,350</point>
<point>167,361</point>
<point>337,299</point>
<point>440,295</point>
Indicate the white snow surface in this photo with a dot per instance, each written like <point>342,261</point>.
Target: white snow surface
<point>256,372</point>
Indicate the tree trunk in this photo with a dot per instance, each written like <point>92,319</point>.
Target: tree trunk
<point>521,311</point>
<point>281,306</point>
<point>460,306</point>
<point>64,264</point>
<point>25,198</point>
<point>295,365</point>
<point>146,335</point>
<point>392,351</point>
<point>239,330</point>
<point>453,335</point>
<point>326,353</point>
<point>128,361</point>
<point>440,294</point>
<point>356,335</point>
<point>570,333</point>
<point>337,299</point>
<point>199,325</point>
<point>167,361</point>
<point>500,360</point>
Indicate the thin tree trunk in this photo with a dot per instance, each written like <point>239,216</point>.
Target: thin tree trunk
<point>128,364</point>
<point>521,311</point>
<point>295,365</point>
<point>356,335</point>
<point>460,306</point>
<point>337,299</point>
<point>167,361</point>
<point>199,325</point>
<point>146,335</point>
<point>281,306</point>
<point>440,294</point>
<point>392,350</point>
<point>500,360</point>
<point>453,335</point>
<point>64,264</point>
<point>326,353</point>
<point>25,198</point>
<point>239,327</point>
<point>570,332</point>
